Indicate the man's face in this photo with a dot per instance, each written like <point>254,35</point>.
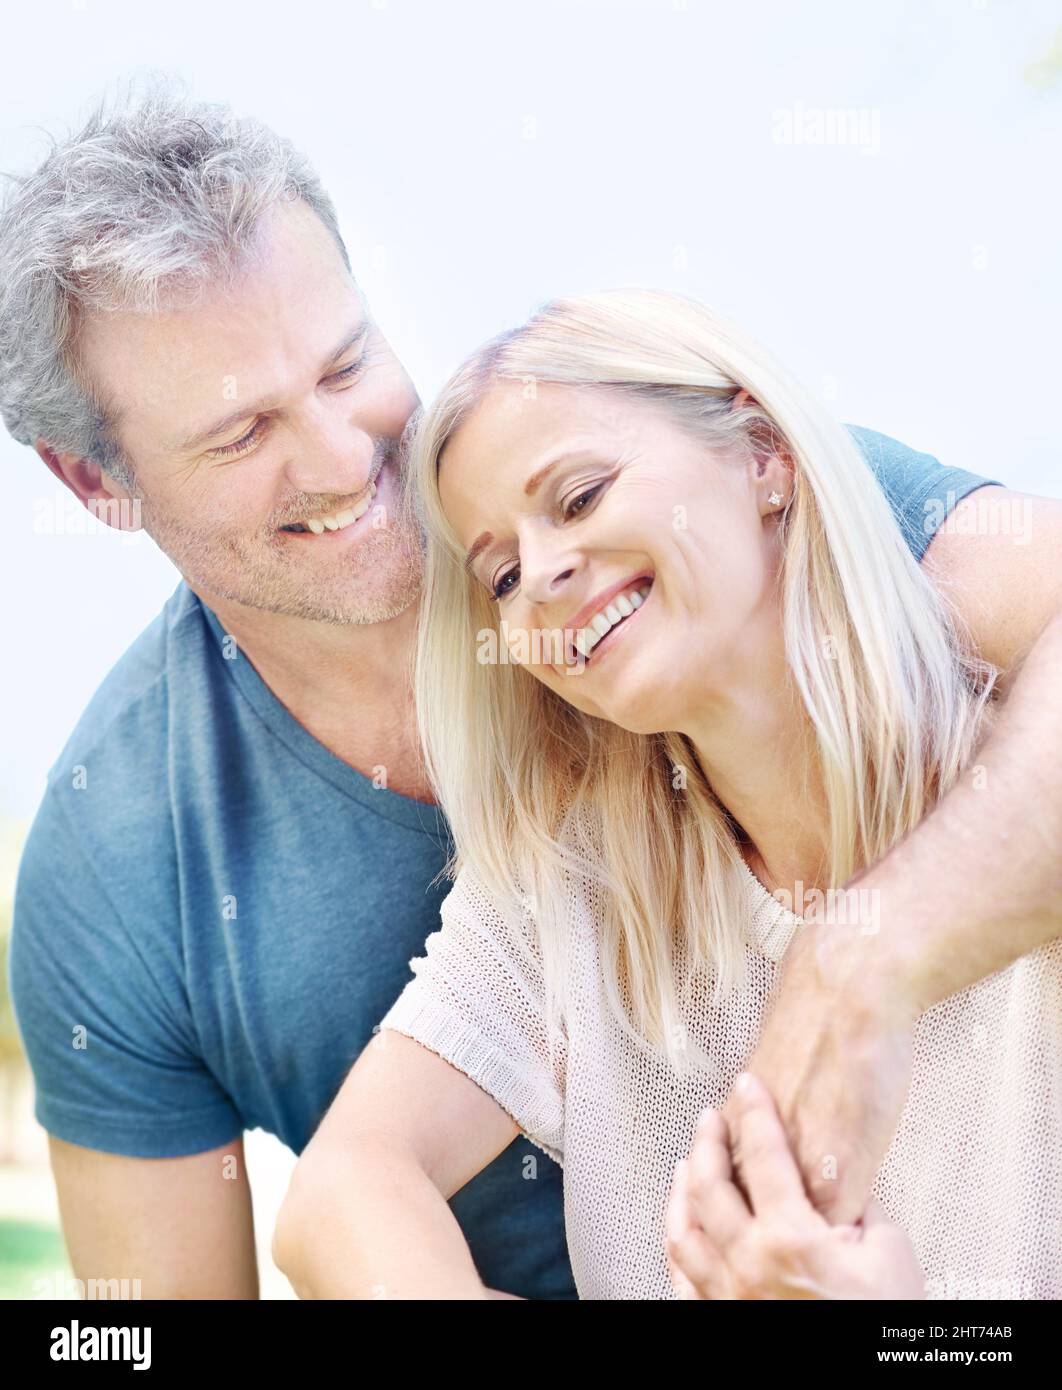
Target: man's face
<point>269,405</point>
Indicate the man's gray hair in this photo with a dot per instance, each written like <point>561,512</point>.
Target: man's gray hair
<point>148,203</point>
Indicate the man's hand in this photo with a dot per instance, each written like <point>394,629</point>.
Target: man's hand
<point>741,1226</point>
<point>836,1054</point>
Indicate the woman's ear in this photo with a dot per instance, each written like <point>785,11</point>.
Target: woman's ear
<point>774,464</point>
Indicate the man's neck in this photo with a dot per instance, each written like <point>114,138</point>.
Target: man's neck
<point>347,685</point>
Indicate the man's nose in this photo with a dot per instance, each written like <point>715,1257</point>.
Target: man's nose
<point>330,456</point>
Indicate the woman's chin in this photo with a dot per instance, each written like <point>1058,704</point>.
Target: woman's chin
<point>637,710</point>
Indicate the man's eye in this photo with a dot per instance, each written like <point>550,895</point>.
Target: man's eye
<point>347,372</point>
<point>497,590</point>
<point>572,509</point>
<point>251,437</point>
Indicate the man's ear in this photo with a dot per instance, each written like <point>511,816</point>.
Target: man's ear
<point>96,490</point>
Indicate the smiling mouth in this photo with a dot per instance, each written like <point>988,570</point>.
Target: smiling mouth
<point>589,640</point>
<point>326,523</point>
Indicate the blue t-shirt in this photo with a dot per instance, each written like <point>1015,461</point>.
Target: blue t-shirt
<point>213,912</point>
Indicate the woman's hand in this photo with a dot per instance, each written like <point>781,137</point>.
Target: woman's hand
<point>772,1243</point>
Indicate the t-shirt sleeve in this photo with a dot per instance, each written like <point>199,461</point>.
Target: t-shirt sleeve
<point>104,1022</point>
<point>477,999</point>
<point>920,490</point>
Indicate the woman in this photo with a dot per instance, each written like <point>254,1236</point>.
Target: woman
<point>675,657</point>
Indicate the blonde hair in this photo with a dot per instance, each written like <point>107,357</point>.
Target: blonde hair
<point>537,792</point>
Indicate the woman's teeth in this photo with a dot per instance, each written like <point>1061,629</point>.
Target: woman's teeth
<point>622,606</point>
<point>336,520</point>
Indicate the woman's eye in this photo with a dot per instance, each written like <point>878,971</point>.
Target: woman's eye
<point>573,509</point>
<point>498,591</point>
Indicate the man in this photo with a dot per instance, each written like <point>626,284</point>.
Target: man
<point>236,853</point>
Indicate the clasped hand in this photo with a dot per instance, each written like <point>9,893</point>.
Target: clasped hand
<point>739,1224</point>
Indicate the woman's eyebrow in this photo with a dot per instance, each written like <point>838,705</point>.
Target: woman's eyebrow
<point>478,545</point>
<point>530,488</point>
<point>539,476</point>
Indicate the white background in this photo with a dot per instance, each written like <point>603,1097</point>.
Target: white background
<point>487,156</point>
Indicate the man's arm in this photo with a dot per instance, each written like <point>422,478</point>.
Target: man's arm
<point>975,886</point>
<point>151,1181</point>
<point>174,1228</point>
<point>983,873</point>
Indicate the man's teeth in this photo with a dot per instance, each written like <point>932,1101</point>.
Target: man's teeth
<point>622,606</point>
<point>337,520</point>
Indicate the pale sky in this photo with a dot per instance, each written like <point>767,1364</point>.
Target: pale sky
<point>485,157</point>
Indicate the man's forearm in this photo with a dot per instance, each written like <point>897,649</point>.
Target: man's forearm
<point>972,888</point>
<point>979,883</point>
<point>370,1224</point>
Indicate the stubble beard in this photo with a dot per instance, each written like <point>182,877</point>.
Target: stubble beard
<point>374,580</point>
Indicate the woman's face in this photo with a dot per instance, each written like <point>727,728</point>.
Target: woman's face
<point>573,498</point>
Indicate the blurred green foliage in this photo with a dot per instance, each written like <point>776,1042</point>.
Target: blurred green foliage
<point>30,1252</point>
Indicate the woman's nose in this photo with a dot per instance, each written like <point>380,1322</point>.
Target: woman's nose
<point>544,577</point>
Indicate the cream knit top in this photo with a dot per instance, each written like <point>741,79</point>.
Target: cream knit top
<point>974,1171</point>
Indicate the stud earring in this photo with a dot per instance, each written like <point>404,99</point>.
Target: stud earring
<point>774,498</point>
